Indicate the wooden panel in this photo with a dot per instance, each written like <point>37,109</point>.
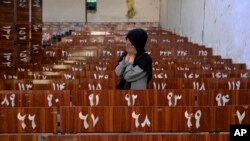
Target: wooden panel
<point>28,120</point>
<point>218,98</point>
<point>10,98</point>
<point>77,125</point>
<point>45,98</point>
<point>191,119</point>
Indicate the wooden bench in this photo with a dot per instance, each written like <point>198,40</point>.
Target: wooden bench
<point>142,137</point>
<point>170,98</point>
<point>151,119</point>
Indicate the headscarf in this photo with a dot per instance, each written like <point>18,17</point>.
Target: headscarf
<point>138,38</point>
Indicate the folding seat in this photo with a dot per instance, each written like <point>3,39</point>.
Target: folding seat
<point>231,83</point>
<point>229,115</point>
<point>215,97</point>
<point>172,98</point>
<point>85,119</point>
<point>198,84</point>
<point>11,98</point>
<point>45,98</point>
<point>92,98</point>
<point>191,119</point>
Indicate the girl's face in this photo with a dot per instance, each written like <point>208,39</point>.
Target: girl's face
<point>130,48</point>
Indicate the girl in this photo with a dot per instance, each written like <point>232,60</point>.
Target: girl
<point>135,65</point>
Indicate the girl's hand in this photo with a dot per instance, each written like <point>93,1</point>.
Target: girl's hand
<point>129,58</point>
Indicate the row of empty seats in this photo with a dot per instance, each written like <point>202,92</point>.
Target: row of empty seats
<point>199,84</point>
<point>68,91</point>
<point>95,74</point>
<point>117,119</point>
<point>93,98</point>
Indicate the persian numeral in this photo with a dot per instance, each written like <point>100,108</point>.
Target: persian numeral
<point>85,119</point>
<point>197,117</point>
